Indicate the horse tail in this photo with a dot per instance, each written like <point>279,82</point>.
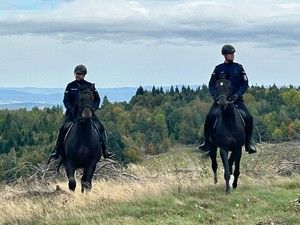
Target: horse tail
<point>205,153</point>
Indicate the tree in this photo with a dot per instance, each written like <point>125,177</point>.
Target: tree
<point>140,91</point>
<point>105,101</point>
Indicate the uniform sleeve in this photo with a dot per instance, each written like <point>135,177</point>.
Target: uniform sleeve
<point>212,83</point>
<point>244,82</point>
<point>96,98</point>
<point>66,100</point>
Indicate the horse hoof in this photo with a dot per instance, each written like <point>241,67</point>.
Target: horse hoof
<point>86,186</point>
<point>72,184</point>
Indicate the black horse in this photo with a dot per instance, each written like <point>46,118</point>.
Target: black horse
<point>82,144</point>
<point>228,134</point>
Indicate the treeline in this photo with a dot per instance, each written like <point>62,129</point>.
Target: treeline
<point>152,122</point>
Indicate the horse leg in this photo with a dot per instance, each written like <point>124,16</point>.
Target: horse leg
<point>70,174</point>
<point>237,168</point>
<point>84,184</point>
<point>86,179</point>
<point>230,162</point>
<point>214,164</point>
<point>224,156</point>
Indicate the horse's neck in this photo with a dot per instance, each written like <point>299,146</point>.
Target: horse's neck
<point>84,128</point>
<point>231,114</point>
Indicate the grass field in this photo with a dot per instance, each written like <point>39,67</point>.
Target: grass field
<point>172,188</point>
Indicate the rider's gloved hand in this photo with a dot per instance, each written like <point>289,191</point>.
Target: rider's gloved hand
<point>234,97</point>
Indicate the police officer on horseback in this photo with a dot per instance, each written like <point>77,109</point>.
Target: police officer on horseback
<point>239,85</point>
<point>70,102</point>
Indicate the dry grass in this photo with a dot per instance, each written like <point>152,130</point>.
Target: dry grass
<point>180,170</point>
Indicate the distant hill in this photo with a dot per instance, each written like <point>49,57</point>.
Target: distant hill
<point>29,97</point>
<point>15,98</point>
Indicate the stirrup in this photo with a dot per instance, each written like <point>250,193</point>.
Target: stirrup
<point>54,155</point>
<point>202,144</point>
<point>251,149</point>
<point>110,154</point>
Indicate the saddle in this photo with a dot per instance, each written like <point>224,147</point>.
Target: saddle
<point>69,125</point>
<point>217,112</point>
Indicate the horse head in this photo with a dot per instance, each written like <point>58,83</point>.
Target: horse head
<point>85,102</point>
<point>223,87</point>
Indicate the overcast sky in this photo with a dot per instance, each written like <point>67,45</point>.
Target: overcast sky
<point>127,43</point>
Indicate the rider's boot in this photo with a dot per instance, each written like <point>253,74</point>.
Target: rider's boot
<point>250,147</point>
<point>249,143</point>
<point>208,125</point>
<point>106,154</point>
<point>56,152</point>
<point>58,146</point>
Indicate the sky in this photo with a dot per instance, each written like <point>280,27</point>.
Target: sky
<point>131,43</point>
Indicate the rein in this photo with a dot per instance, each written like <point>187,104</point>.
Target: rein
<point>220,96</point>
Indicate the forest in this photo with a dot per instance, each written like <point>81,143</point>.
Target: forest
<point>149,124</point>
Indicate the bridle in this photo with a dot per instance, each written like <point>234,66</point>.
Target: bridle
<point>223,99</point>
<point>85,104</point>
<point>227,99</point>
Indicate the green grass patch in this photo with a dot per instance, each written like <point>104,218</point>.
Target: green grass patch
<point>244,206</point>
<point>179,190</point>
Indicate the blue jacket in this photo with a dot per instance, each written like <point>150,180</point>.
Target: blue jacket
<point>71,95</point>
<point>232,71</point>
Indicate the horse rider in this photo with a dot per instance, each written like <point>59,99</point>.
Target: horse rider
<point>239,85</point>
<point>70,102</point>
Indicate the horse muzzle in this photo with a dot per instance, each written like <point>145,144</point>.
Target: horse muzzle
<point>223,102</point>
<point>86,114</point>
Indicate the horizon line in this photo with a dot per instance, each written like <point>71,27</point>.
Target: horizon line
<point>164,86</point>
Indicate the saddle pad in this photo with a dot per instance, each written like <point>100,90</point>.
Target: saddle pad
<point>68,127</point>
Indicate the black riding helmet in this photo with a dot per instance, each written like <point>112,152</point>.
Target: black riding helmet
<point>227,49</point>
<point>81,69</point>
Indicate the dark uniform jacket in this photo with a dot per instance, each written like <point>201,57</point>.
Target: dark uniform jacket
<point>71,95</point>
<point>235,73</point>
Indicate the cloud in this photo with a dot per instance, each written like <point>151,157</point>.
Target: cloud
<point>267,23</point>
